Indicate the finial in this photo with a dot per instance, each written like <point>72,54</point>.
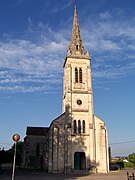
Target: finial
<point>75,5</point>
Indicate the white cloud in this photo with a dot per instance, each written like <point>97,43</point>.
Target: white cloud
<point>23,89</point>
<point>111,42</point>
<point>38,58</point>
<point>62,7</point>
<point>105,15</point>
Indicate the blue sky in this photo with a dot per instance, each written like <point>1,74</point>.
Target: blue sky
<point>34,37</point>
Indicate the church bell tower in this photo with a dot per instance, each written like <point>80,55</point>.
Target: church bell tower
<point>77,93</point>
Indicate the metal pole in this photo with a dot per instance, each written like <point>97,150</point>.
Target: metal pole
<point>13,172</point>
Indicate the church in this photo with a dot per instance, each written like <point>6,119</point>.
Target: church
<point>77,140</point>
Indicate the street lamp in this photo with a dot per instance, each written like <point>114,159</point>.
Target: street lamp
<point>15,138</point>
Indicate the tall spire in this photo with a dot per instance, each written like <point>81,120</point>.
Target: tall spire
<point>75,47</point>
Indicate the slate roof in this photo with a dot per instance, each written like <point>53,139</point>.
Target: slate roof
<point>38,131</point>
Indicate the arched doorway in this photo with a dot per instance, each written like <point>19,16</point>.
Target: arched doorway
<point>79,161</point>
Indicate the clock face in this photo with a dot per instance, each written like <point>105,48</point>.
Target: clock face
<point>79,102</point>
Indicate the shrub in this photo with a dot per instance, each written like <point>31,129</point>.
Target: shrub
<point>128,165</point>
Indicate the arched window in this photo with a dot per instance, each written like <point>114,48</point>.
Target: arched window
<point>75,126</point>
<point>80,75</point>
<point>83,126</point>
<point>37,150</point>
<point>79,127</point>
<point>76,75</point>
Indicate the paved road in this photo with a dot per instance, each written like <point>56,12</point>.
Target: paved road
<point>42,176</point>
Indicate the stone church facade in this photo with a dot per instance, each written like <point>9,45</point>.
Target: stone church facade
<point>77,140</point>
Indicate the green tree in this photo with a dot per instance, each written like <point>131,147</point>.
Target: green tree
<point>131,158</point>
<point>110,155</point>
<point>19,152</point>
<point>2,157</point>
<point>8,155</point>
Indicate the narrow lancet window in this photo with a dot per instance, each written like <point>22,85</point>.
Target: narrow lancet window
<point>75,127</point>
<point>79,127</point>
<point>80,75</point>
<point>77,47</point>
<point>76,75</point>
<point>83,126</point>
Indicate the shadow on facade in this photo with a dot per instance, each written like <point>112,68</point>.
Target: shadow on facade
<point>69,147</point>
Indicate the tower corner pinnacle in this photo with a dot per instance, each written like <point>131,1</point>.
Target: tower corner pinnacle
<point>87,54</point>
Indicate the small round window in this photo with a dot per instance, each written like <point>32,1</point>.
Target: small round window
<point>79,102</point>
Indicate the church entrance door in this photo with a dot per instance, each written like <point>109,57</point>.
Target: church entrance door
<point>79,161</point>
